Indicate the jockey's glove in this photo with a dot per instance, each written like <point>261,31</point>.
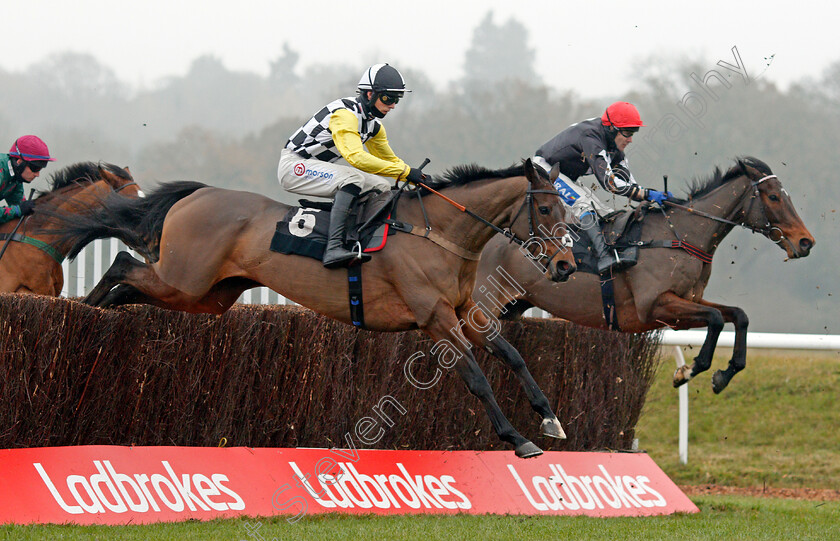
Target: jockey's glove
<point>659,197</point>
<point>415,175</point>
<point>26,207</point>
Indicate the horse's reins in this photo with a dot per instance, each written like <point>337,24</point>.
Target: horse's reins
<point>506,232</point>
<point>767,230</point>
<point>12,234</point>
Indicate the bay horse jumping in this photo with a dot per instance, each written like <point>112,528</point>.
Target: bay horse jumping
<point>208,245</point>
<point>665,288</point>
<point>31,257</point>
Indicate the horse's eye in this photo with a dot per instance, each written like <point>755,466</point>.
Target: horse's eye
<point>545,211</point>
<point>774,198</point>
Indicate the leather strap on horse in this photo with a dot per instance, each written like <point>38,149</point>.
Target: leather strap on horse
<point>447,245</point>
<point>700,254</point>
<point>608,301</point>
<point>357,310</point>
<point>50,250</point>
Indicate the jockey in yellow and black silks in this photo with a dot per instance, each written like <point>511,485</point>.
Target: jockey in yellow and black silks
<point>348,128</point>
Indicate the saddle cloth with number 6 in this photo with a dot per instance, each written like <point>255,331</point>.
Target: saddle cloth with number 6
<point>303,231</point>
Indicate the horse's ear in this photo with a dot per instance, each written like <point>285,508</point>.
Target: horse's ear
<point>748,169</point>
<point>127,170</point>
<point>530,173</point>
<point>554,173</point>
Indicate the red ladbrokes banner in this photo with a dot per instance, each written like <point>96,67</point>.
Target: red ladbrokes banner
<point>120,485</point>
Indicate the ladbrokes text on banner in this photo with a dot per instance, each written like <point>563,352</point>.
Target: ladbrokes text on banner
<point>120,485</point>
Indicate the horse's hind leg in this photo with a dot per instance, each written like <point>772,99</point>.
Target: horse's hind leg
<point>112,277</point>
<point>126,294</point>
<point>443,329</point>
<point>137,282</point>
<point>680,313</point>
<point>218,300</point>
<point>501,348</point>
<point>739,318</point>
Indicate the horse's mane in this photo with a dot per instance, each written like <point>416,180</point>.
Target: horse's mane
<point>700,187</point>
<point>79,173</point>
<point>464,174</point>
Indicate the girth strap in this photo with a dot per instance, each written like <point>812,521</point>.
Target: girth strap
<point>608,301</point>
<point>49,249</point>
<point>703,256</point>
<point>357,310</point>
<point>447,245</point>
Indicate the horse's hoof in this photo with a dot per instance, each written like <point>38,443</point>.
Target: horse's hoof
<point>528,450</point>
<point>552,429</point>
<point>719,381</point>
<point>682,375</point>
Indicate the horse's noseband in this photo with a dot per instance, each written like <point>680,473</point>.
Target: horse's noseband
<point>565,241</point>
<point>772,232</point>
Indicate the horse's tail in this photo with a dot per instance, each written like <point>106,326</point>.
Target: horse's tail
<point>136,222</point>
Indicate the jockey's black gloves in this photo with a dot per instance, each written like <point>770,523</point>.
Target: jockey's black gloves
<point>415,175</point>
<point>26,208</point>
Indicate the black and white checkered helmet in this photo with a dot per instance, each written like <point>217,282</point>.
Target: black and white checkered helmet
<point>382,78</point>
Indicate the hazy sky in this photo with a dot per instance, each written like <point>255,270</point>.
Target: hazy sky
<point>588,46</point>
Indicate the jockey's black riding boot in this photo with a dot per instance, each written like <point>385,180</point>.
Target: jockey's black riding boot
<point>607,258</point>
<point>336,255</point>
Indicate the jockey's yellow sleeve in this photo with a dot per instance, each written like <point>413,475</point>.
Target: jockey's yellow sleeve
<point>381,160</point>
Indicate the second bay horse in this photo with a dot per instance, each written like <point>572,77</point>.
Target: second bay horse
<point>665,288</point>
<point>31,260</point>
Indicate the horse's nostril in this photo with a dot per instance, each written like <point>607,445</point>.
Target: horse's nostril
<point>806,244</point>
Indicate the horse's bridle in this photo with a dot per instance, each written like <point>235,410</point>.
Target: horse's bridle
<point>126,185</point>
<point>565,242</point>
<point>767,230</point>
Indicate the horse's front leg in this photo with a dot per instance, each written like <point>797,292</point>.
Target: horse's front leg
<point>682,314</point>
<point>736,316</point>
<point>483,332</point>
<point>443,327</point>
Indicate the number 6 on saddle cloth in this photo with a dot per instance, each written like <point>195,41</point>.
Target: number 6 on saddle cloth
<point>303,231</point>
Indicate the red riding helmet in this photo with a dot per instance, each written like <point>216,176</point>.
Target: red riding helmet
<point>30,148</point>
<point>622,115</point>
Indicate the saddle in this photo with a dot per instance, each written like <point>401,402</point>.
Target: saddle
<point>303,230</point>
<point>622,232</point>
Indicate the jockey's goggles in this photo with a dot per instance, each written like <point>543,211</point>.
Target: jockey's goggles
<point>36,165</point>
<point>628,132</point>
<point>390,98</point>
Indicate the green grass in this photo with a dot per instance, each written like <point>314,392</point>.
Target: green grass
<point>721,517</point>
<point>776,424</point>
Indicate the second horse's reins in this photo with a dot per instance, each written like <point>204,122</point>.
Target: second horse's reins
<point>767,230</point>
<point>37,243</point>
